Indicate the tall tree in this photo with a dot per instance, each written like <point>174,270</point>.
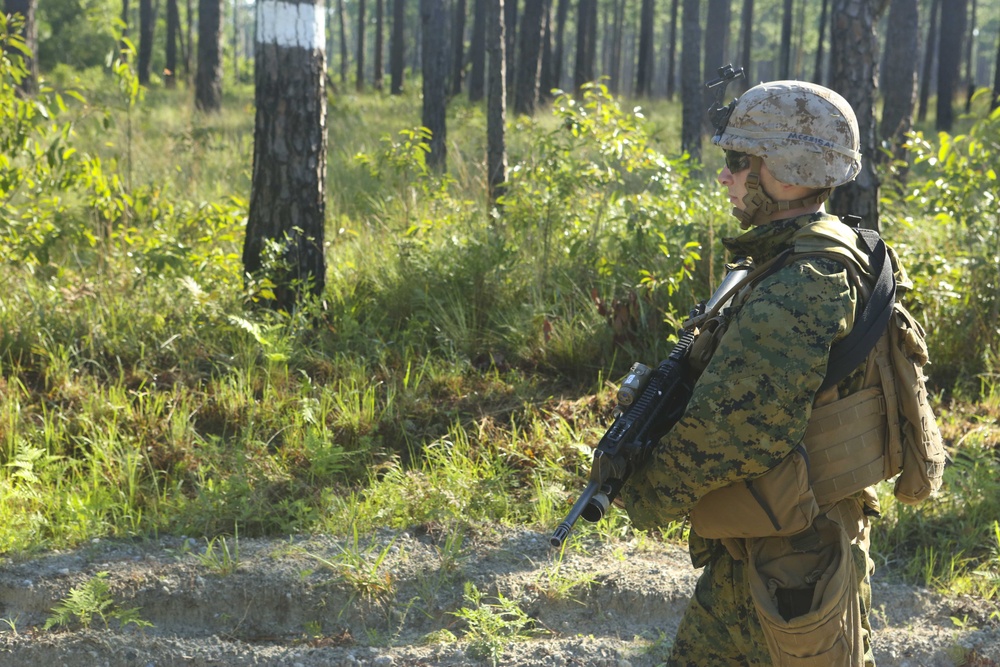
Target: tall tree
<point>147,24</point>
<point>644,70</point>
<point>820,38</point>
<point>614,60</point>
<point>692,96</point>
<point>672,51</point>
<point>785,46</point>
<point>530,57</point>
<point>930,52</point>
<point>949,61</point>
<point>208,79</point>
<point>377,63</point>
<point>458,48</point>
<point>359,83</point>
<point>434,21</point>
<point>477,51</point>
<point>29,33</point>
<point>746,45</point>
<point>853,55</point>
<point>396,50</point>
<point>586,49</point>
<point>173,31</point>
<point>899,74</point>
<point>559,51</point>
<point>716,46</point>
<point>510,41</point>
<point>970,58</point>
<point>496,103</point>
<point>284,237</point>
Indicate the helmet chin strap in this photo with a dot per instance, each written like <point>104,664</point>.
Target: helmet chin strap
<point>759,206</point>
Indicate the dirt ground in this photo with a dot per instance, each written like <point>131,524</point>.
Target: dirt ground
<point>391,600</point>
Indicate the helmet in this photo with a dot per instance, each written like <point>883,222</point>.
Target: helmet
<point>806,134</point>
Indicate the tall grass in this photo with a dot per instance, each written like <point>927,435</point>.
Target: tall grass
<point>454,371</point>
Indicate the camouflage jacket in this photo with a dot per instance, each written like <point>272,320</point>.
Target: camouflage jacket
<point>750,406</point>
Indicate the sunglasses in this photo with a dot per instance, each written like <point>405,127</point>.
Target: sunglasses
<point>737,161</point>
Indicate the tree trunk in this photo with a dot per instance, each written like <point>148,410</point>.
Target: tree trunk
<point>530,57</point>
<point>949,61</point>
<point>644,69</point>
<point>477,51</point>
<point>342,20</point>
<point>692,82</point>
<point>930,51</point>
<point>147,24</point>
<point>785,47</point>
<point>583,72</point>
<point>559,53</point>
<point>379,44</point>
<point>510,42</point>
<point>208,80</point>
<point>496,104</point>
<point>716,48</point>
<point>672,53</point>
<point>29,32</point>
<point>818,69</point>
<point>434,22</point>
<point>970,64</point>
<point>397,52</point>
<point>853,56</point>
<point>359,82</point>
<point>545,81</point>
<point>458,48</point>
<point>746,45</point>
<point>615,52</point>
<point>899,74</point>
<point>173,29</point>
<point>188,50</point>
<point>285,225</point>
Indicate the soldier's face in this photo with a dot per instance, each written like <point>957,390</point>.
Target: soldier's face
<point>735,181</point>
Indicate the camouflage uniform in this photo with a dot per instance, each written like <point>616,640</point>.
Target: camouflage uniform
<point>748,411</point>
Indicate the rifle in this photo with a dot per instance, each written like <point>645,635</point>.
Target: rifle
<point>650,402</point>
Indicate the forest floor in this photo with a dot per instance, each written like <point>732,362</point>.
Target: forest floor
<point>397,598</point>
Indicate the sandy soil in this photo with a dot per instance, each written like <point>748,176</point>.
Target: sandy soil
<point>392,599</point>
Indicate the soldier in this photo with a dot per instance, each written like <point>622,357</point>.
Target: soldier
<point>764,594</point>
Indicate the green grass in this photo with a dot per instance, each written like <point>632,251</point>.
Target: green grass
<point>453,374</point>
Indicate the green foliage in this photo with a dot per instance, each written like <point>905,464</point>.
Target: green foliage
<point>91,600</point>
<point>492,625</point>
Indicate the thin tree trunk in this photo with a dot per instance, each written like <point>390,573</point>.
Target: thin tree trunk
<point>173,28</point>
<point>583,71</point>
<point>930,51</point>
<point>949,62</point>
<point>820,39</point>
<point>672,53</point>
<point>644,69</point>
<point>510,42</point>
<point>379,44</point>
<point>359,82</point>
<point>899,75</point>
<point>785,50</point>
<point>615,52</point>
<point>692,97</point>
<point>477,51</point>
<point>287,206</point>
<point>434,21</point>
<point>559,53</point>
<point>458,48</point>
<point>746,44</point>
<point>397,51</point>
<point>716,47</point>
<point>208,80</point>
<point>970,65</point>
<point>342,19</point>
<point>530,57</point>
<point>189,52</point>
<point>147,25</point>
<point>496,104</point>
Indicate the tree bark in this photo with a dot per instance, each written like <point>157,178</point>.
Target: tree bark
<point>458,48</point>
<point>583,71</point>
<point>615,52</point>
<point>496,104</point>
<point>853,56</point>
<point>716,48</point>
<point>377,63</point>
<point>559,52</point>
<point>930,51</point>
<point>208,80</point>
<point>397,50</point>
<point>173,29</point>
<point>477,51</point>
<point>285,226</point>
<point>359,82</point>
<point>899,75</point>
<point>821,34</point>
<point>672,53</point>
<point>29,32</point>
<point>510,43</point>
<point>530,57</point>
<point>949,61</point>
<point>746,45</point>
<point>644,69</point>
<point>147,25</point>
<point>785,47</point>
<point>692,82</point>
<point>342,20</point>
<point>434,22</point>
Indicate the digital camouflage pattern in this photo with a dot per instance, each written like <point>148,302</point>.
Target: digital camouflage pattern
<point>807,134</point>
<point>752,403</point>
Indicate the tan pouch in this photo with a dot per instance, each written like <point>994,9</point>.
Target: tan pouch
<point>780,502</point>
<point>807,602</point>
